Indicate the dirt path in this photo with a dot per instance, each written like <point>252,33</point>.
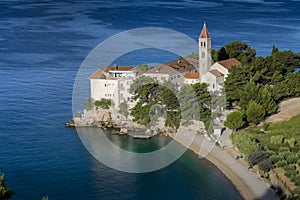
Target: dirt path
<point>287,110</point>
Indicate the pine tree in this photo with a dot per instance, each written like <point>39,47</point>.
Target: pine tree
<point>255,112</point>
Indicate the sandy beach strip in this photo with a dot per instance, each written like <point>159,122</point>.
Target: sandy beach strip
<point>245,181</point>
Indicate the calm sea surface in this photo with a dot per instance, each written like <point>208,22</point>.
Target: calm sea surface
<point>42,45</point>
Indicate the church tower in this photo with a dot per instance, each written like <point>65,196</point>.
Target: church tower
<point>205,59</point>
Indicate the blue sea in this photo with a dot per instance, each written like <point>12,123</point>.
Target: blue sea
<point>42,46</point>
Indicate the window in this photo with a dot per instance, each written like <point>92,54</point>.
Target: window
<point>128,98</point>
<point>213,85</point>
<point>201,44</point>
<point>178,76</point>
<point>204,44</point>
<point>202,54</point>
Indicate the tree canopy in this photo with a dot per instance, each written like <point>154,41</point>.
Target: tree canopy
<point>5,193</point>
<point>234,120</point>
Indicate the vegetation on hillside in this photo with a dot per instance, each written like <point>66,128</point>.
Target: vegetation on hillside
<point>277,146</point>
<point>254,90</point>
<point>261,83</point>
<point>5,192</point>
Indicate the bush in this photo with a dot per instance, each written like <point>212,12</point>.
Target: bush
<point>286,154</point>
<point>5,193</point>
<point>281,163</point>
<point>276,158</point>
<point>290,167</point>
<point>103,103</point>
<point>257,157</point>
<point>290,141</point>
<point>292,159</point>
<point>89,103</point>
<point>297,180</point>
<point>276,139</point>
<point>265,165</point>
<point>297,190</point>
<point>298,162</point>
<point>283,149</point>
<point>290,173</point>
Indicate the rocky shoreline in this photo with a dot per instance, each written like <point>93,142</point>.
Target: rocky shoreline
<point>103,118</point>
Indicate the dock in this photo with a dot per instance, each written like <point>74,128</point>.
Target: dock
<point>139,135</point>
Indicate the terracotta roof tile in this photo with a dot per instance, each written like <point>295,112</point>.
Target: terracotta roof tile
<point>192,75</point>
<point>216,73</point>
<point>204,32</point>
<point>162,69</point>
<point>99,73</point>
<point>121,68</point>
<point>181,65</point>
<point>229,63</point>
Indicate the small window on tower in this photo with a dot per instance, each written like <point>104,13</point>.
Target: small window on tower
<point>202,54</point>
<point>201,44</point>
<point>204,44</point>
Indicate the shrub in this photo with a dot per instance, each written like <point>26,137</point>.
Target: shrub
<point>265,165</point>
<point>103,103</point>
<point>290,141</point>
<point>297,180</point>
<point>289,167</point>
<point>298,162</point>
<point>257,157</point>
<point>290,173</point>
<point>276,139</point>
<point>89,103</point>
<point>283,149</point>
<point>292,159</point>
<point>286,154</point>
<point>276,158</point>
<point>297,190</point>
<point>281,163</point>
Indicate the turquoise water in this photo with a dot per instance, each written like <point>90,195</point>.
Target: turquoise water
<point>43,44</point>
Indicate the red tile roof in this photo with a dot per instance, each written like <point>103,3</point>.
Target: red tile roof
<point>229,63</point>
<point>121,68</point>
<point>181,65</point>
<point>216,73</point>
<point>162,69</point>
<point>192,75</point>
<point>204,32</point>
<point>99,73</point>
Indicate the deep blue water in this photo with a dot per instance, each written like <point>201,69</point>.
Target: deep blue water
<point>42,45</point>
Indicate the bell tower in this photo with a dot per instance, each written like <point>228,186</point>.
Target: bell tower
<point>205,59</point>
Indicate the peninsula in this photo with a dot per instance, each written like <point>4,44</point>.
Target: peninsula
<point>254,156</point>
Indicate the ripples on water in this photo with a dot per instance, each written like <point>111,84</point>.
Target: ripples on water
<point>42,46</point>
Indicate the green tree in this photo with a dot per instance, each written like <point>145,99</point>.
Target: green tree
<point>204,99</point>
<point>255,112</point>
<point>240,51</point>
<point>89,103</point>
<point>236,80</point>
<point>103,103</point>
<point>234,120</point>
<point>266,100</point>
<point>222,54</point>
<point>123,109</point>
<point>5,193</point>
<point>248,93</point>
<point>142,67</point>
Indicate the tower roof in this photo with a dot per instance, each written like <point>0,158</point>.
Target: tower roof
<point>204,32</point>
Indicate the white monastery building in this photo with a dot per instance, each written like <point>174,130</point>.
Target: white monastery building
<point>113,82</point>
